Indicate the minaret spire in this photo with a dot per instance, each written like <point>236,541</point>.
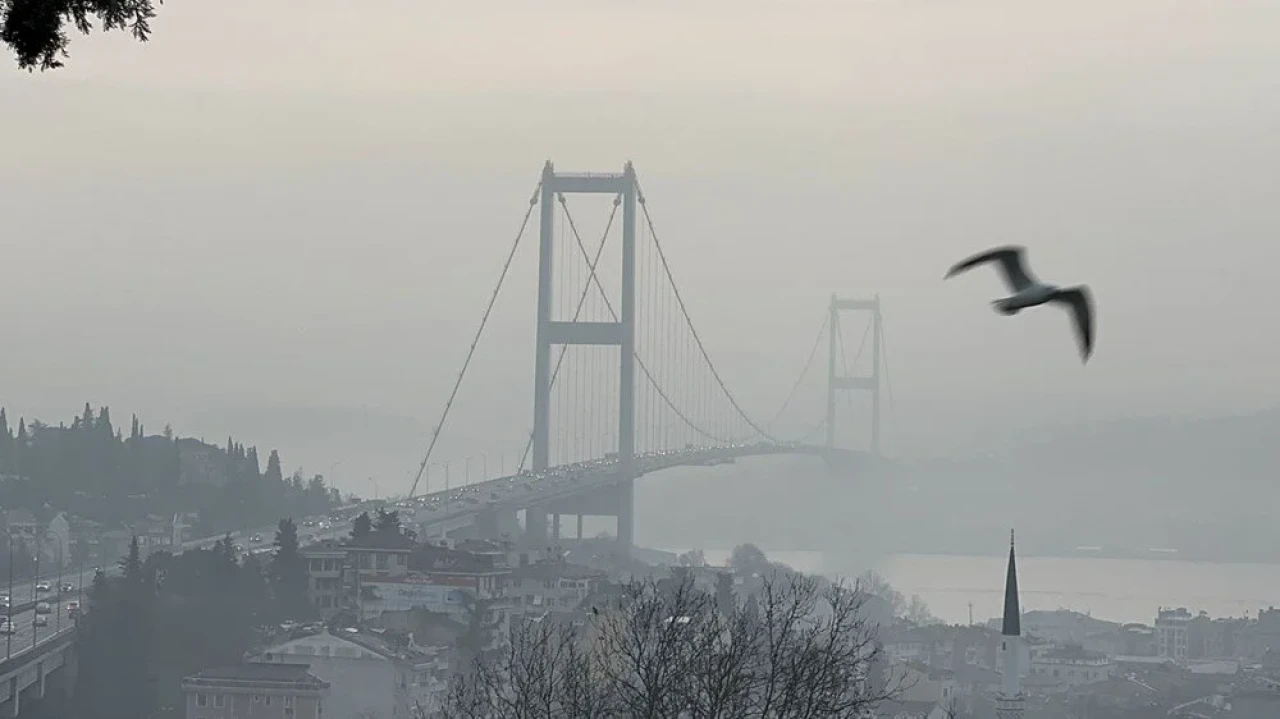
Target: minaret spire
<point>1011,702</point>
<point>1012,626</point>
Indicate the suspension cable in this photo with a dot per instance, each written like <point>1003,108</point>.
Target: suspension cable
<point>506,266</point>
<point>803,373</point>
<point>662,256</point>
<point>644,369</point>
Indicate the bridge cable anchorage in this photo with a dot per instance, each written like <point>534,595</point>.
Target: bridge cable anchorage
<point>644,369</point>
<point>484,320</point>
<point>582,299</point>
<point>817,342</point>
<point>697,338</point>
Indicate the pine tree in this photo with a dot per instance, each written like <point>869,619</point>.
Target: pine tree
<point>103,424</point>
<point>289,574</point>
<point>131,566</point>
<point>362,526</point>
<point>387,523</point>
<point>6,443</point>
<point>273,473</point>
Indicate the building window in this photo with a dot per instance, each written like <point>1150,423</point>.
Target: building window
<point>219,700</point>
<point>288,702</point>
<point>202,700</point>
<point>382,561</point>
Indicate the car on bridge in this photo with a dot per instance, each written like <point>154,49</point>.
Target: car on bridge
<point>6,626</point>
<point>43,608</point>
<point>41,620</point>
<point>43,587</point>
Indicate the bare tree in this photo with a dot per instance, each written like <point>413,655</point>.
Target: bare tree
<point>666,649</point>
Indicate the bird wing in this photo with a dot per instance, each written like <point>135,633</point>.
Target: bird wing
<point>1081,302</point>
<point>1010,258</point>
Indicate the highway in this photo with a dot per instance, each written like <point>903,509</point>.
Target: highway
<point>25,631</point>
<point>24,597</point>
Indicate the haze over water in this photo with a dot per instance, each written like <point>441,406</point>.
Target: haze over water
<point>1118,590</point>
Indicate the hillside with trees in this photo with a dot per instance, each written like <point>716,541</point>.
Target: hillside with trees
<point>91,469</point>
<point>170,616</point>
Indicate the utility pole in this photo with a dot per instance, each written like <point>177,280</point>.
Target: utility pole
<point>8,610</point>
<point>34,596</point>
<point>57,622</point>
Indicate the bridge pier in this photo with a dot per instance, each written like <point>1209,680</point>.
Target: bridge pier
<point>15,697</point>
<point>555,527</point>
<point>579,525</point>
<point>626,516</point>
<point>535,526</point>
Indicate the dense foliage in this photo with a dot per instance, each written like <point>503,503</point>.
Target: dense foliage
<point>169,617</point>
<point>36,30</point>
<point>90,469</point>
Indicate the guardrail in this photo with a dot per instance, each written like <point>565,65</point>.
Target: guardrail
<point>17,660</point>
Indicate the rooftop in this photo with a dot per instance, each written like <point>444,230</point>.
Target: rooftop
<point>259,673</point>
<point>547,570</point>
<point>430,559</point>
<point>381,542</point>
<point>20,517</point>
<point>1073,654</point>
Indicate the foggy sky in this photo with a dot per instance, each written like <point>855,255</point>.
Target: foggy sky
<point>263,210</point>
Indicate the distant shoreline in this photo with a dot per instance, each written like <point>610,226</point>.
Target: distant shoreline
<point>1119,554</point>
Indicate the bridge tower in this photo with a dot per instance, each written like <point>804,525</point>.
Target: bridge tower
<point>837,382</point>
<point>621,333</point>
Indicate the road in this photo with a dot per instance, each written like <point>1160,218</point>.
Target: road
<point>23,595</point>
<point>26,633</point>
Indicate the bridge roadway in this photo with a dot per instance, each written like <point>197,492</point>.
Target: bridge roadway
<point>531,489</point>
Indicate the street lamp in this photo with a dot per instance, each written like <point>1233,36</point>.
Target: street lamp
<point>57,622</point>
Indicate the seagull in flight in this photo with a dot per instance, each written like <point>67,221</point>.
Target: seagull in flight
<point>1030,292</point>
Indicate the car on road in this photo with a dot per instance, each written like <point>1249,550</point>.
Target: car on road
<point>44,587</point>
<point>73,608</point>
<point>5,603</point>
<point>66,588</point>
<point>43,608</point>
<point>256,538</point>
<point>41,620</point>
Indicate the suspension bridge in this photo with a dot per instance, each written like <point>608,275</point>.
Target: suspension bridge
<point>623,381</point>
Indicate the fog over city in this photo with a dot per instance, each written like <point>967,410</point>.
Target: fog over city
<point>245,261</point>
<point>295,240</point>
